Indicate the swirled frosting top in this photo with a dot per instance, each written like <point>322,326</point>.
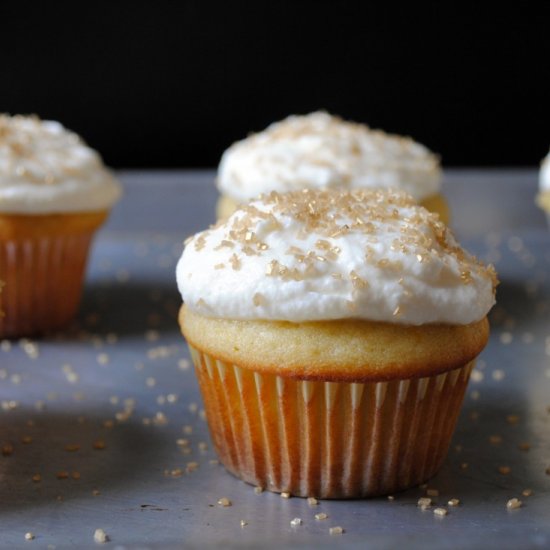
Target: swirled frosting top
<point>45,168</point>
<point>321,255</point>
<point>323,151</point>
<point>544,179</point>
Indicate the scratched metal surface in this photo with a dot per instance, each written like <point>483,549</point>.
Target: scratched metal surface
<point>120,378</point>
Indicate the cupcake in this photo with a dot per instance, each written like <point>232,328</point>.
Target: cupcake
<point>333,334</point>
<point>543,198</point>
<point>320,151</point>
<point>54,193</point>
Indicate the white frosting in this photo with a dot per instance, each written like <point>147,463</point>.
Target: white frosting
<point>45,168</point>
<point>393,262</point>
<point>322,151</point>
<point>544,179</point>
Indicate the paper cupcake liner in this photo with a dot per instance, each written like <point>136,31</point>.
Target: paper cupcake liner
<point>42,282</point>
<point>329,439</point>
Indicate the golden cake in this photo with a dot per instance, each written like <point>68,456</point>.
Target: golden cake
<point>54,193</point>
<point>333,334</point>
<point>321,151</point>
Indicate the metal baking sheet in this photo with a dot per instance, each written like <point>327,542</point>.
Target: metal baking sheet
<point>102,425</point>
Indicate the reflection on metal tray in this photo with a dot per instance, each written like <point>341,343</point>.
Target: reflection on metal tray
<point>102,426</point>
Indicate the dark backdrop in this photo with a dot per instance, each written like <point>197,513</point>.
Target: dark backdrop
<point>158,83</point>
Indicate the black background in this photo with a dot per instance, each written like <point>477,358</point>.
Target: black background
<point>158,83</point>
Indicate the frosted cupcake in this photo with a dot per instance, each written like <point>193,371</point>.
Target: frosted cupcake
<point>543,198</point>
<point>333,334</point>
<point>54,193</point>
<point>320,151</point>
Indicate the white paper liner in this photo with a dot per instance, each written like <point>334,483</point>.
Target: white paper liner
<point>42,282</point>
<point>329,439</point>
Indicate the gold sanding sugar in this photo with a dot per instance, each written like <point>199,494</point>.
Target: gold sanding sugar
<point>100,536</point>
<point>513,504</point>
<point>424,502</point>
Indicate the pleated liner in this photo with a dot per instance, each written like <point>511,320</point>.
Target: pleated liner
<point>329,439</point>
<point>42,282</point>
